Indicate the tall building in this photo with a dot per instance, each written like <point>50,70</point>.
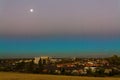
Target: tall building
<point>42,59</point>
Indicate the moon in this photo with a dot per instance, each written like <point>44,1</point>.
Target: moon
<point>31,10</point>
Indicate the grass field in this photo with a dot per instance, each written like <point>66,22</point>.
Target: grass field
<point>20,76</point>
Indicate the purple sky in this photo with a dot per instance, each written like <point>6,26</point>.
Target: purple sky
<point>53,17</point>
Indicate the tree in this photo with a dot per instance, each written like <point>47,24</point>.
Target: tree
<point>40,66</point>
<point>29,67</point>
<point>62,70</point>
<point>20,67</point>
<point>114,60</point>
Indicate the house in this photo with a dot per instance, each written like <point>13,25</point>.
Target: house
<point>75,72</point>
<point>57,72</point>
<point>82,72</point>
<point>108,71</point>
<point>54,60</point>
<point>93,69</point>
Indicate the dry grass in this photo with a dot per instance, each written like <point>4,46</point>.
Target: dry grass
<point>20,76</point>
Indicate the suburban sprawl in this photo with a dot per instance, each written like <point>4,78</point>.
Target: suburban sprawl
<point>96,67</point>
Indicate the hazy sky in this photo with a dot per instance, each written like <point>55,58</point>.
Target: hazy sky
<point>72,18</point>
<point>63,17</point>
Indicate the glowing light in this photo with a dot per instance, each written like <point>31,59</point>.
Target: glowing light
<point>31,10</point>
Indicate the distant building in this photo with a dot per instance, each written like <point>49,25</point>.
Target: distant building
<point>36,60</point>
<point>42,59</point>
<point>54,60</point>
<point>108,71</point>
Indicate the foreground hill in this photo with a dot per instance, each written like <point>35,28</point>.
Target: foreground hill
<point>21,76</point>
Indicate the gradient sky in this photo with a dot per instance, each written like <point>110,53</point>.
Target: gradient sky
<point>59,17</point>
<point>72,18</point>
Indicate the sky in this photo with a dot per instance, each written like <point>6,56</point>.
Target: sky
<point>59,17</point>
<point>55,18</point>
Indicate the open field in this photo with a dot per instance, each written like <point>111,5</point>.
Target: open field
<point>20,76</point>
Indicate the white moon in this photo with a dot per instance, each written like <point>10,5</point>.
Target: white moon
<point>31,10</point>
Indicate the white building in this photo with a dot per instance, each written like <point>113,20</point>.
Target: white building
<point>43,59</point>
<point>36,60</point>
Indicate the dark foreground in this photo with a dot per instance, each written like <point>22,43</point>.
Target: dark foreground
<point>22,76</point>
